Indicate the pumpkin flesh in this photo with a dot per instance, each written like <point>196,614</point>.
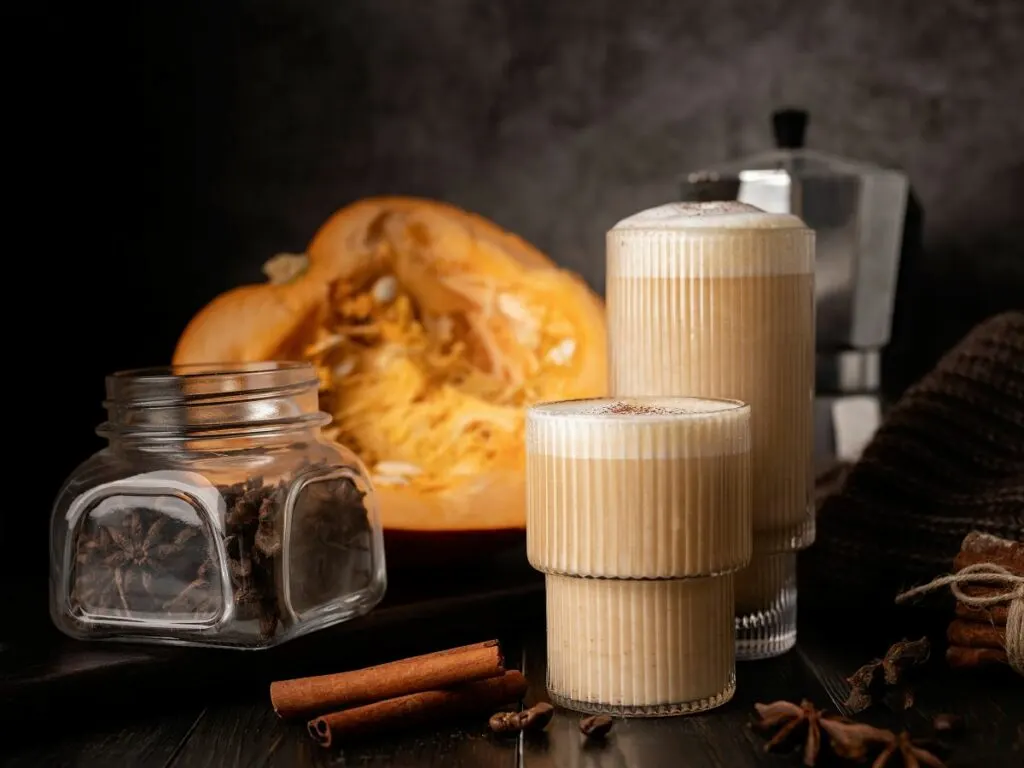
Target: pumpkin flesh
<point>430,338</point>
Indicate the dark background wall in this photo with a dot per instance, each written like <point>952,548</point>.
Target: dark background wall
<point>159,152</point>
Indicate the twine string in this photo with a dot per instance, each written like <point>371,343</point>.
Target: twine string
<point>991,574</point>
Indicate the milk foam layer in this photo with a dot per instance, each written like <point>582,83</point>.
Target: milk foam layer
<point>637,645</point>
<point>727,214</point>
<point>729,240</point>
<point>638,428</point>
<point>639,488</point>
<point>635,407</point>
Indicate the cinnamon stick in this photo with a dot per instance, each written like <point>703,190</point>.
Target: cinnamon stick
<point>308,696</point>
<point>976,634</point>
<point>959,657</point>
<point>985,548</point>
<point>418,709</point>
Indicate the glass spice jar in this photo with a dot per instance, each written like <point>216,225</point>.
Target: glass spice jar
<point>217,515</point>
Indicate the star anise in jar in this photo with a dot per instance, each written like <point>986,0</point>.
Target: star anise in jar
<point>90,588</point>
<point>116,564</point>
<point>253,547</point>
<point>198,596</point>
<point>133,558</point>
<point>804,722</point>
<point>243,586</point>
<point>268,537</point>
<point>902,751</point>
<point>243,501</point>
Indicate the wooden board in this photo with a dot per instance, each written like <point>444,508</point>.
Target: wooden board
<point>423,610</point>
<point>243,731</point>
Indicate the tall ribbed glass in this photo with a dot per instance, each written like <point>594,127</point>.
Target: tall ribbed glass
<point>639,512</point>
<point>766,606</point>
<point>717,300</point>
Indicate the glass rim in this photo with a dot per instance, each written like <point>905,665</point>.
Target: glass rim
<point>566,409</point>
<point>194,370</point>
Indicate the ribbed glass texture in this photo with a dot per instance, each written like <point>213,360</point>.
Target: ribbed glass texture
<point>635,495</point>
<point>766,606</point>
<point>726,313</point>
<point>638,647</point>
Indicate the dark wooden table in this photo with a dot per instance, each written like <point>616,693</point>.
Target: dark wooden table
<point>217,726</point>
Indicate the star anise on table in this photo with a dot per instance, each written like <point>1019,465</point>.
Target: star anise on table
<point>804,721</point>
<point>853,741</point>
<point>901,751</point>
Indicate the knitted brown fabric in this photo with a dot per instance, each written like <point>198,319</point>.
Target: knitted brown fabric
<point>948,459</point>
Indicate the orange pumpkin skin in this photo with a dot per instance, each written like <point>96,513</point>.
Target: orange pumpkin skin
<point>251,323</point>
<point>429,247</point>
<point>339,246</point>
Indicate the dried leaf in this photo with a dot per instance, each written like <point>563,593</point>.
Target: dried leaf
<point>903,656</point>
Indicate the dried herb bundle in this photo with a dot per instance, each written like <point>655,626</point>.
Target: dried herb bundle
<point>868,684</point>
<point>155,558</point>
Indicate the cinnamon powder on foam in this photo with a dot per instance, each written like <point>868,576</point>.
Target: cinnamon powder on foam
<point>630,409</point>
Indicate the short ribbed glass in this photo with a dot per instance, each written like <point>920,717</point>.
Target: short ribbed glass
<point>640,647</point>
<point>638,512</point>
<point>717,300</point>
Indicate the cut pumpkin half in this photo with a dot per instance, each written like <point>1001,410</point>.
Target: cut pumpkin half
<point>431,329</point>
